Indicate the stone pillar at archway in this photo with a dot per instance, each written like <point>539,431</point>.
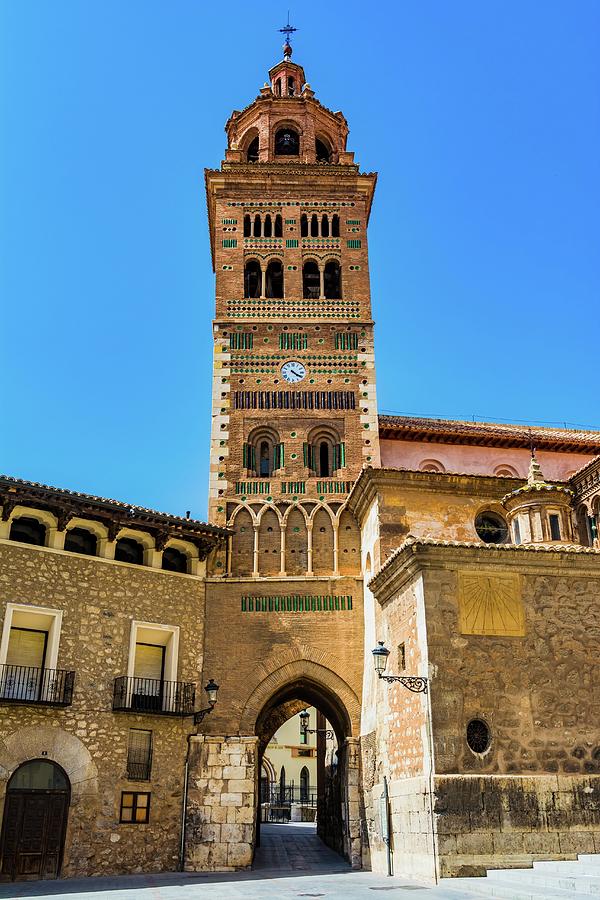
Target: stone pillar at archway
<point>223,781</point>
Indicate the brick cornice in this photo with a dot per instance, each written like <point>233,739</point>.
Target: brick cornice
<point>372,481</point>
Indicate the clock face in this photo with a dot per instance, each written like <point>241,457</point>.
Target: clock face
<point>293,371</point>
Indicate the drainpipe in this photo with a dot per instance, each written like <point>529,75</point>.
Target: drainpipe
<point>186,775</point>
<point>386,825</point>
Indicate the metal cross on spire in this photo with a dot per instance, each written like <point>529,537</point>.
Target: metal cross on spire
<point>287,30</point>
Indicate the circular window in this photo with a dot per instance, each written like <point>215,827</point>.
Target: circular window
<point>478,736</point>
<point>491,528</point>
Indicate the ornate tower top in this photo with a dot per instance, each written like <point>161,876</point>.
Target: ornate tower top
<point>539,512</point>
<point>287,47</point>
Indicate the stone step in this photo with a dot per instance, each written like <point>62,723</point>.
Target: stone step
<point>484,887</point>
<point>577,884</point>
<point>571,867</point>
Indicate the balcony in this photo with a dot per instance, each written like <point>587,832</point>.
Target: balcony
<point>37,687</point>
<point>153,696</point>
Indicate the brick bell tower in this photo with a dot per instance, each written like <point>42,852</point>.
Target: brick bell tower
<point>294,414</point>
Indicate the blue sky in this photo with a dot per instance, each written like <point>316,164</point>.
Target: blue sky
<point>482,120</point>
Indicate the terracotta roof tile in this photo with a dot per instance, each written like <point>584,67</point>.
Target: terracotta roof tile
<point>8,482</point>
<point>456,431</point>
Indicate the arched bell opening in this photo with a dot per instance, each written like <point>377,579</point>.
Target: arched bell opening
<point>274,279</point>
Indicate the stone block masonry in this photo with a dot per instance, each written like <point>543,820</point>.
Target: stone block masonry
<point>222,788</point>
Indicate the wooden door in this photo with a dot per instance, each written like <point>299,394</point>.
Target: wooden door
<point>33,834</point>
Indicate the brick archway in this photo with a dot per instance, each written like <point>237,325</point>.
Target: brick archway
<point>303,671</point>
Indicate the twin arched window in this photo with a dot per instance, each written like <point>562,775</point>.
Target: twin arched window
<point>260,282</point>
<point>263,454</point>
<point>317,283</point>
<point>324,453</point>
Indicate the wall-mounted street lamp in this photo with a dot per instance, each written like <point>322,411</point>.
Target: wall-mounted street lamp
<point>212,689</point>
<point>415,683</point>
<point>305,730</point>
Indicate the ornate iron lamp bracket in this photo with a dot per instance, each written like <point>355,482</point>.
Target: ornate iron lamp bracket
<point>201,714</point>
<point>414,683</point>
<point>328,732</point>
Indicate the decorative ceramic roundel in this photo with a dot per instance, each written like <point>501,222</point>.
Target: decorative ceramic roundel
<point>293,371</point>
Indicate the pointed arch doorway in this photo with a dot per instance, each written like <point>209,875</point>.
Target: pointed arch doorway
<point>337,824</point>
<point>34,822</point>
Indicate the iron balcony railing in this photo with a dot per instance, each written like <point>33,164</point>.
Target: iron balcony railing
<point>152,695</point>
<point>31,685</point>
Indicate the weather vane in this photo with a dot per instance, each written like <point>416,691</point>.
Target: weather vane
<point>287,30</point>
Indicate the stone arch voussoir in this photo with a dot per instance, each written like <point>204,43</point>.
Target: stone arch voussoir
<point>55,744</point>
<point>293,665</point>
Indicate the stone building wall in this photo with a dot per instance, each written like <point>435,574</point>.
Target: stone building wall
<point>100,598</point>
<point>526,669</point>
<point>222,792</point>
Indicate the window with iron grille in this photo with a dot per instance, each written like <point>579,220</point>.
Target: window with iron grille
<point>135,808</point>
<point>139,755</point>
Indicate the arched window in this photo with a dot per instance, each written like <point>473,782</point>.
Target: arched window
<point>130,551</point>
<point>311,282</point>
<point>263,452</point>
<point>257,231</point>
<point>278,226</point>
<point>304,785</point>
<point>291,86</point>
<point>303,225</point>
<point>174,560</point>
<point>332,280</point>
<point>314,225</point>
<point>287,142</point>
<point>322,151</point>
<point>252,279</point>
<point>274,279</point>
<point>324,453</point>
<point>325,226</point>
<point>80,540</point>
<point>278,87</point>
<point>247,226</point>
<point>28,530</point>
<point>282,785</point>
<point>335,226</point>
<point>268,227</point>
<point>252,152</point>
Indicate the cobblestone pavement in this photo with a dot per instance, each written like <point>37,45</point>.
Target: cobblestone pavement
<point>291,863</point>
